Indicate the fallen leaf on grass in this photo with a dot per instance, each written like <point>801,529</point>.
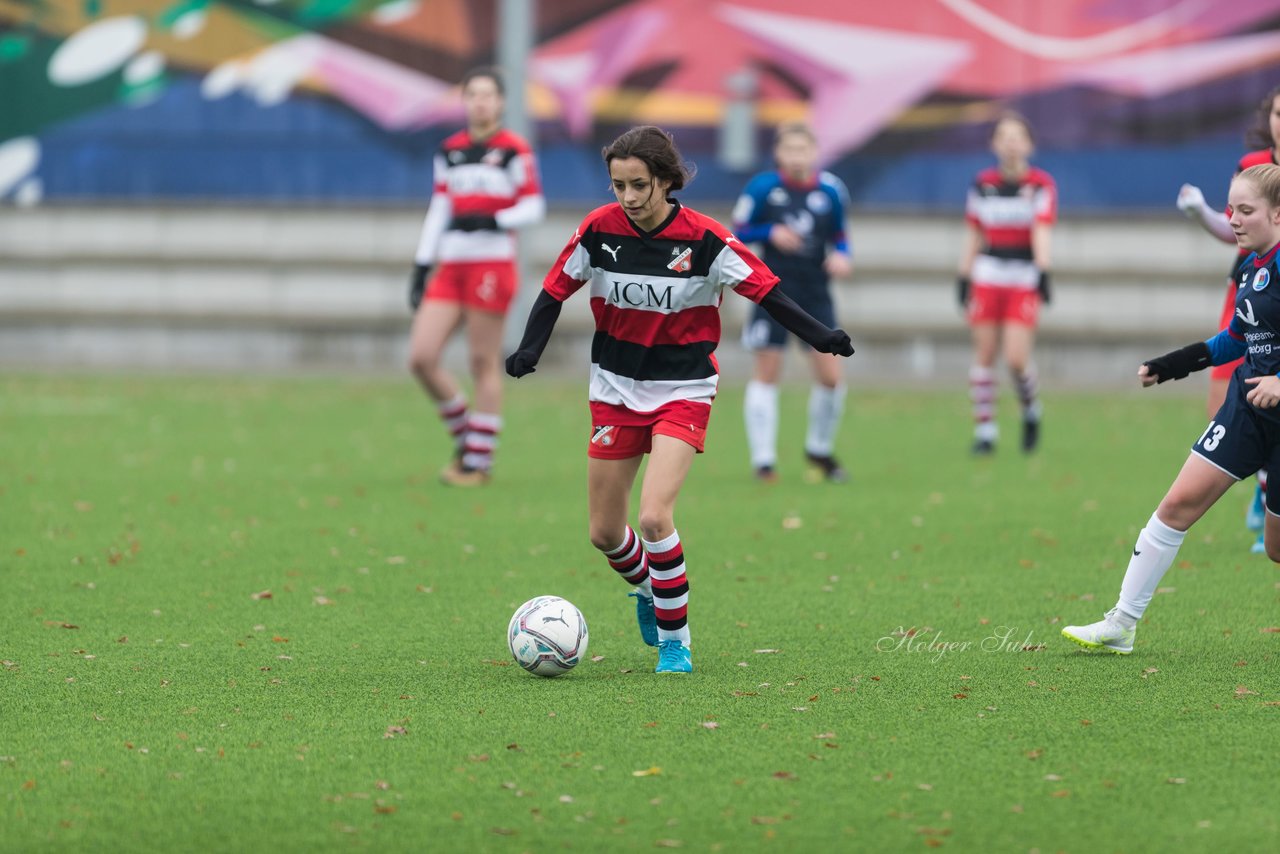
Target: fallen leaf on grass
<point>1177,781</point>
<point>322,600</point>
<point>1148,671</point>
<point>764,651</point>
<point>667,843</point>
<point>1270,630</point>
<point>385,809</point>
<point>784,775</point>
<point>279,639</point>
<point>825,735</point>
<point>653,771</point>
<point>1062,793</point>
<point>502,831</point>
<point>393,731</point>
<point>261,594</point>
<point>710,725</point>
<point>765,819</point>
<point>597,658</point>
<point>1242,691</point>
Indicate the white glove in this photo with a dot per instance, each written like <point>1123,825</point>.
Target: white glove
<point>1191,201</point>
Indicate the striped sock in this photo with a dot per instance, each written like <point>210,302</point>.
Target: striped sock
<point>982,391</point>
<point>670,588</point>
<point>454,415</point>
<point>480,439</point>
<point>631,562</point>
<point>1028,385</point>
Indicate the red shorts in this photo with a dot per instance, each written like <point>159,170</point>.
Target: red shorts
<point>1224,372</point>
<point>623,442</point>
<point>484,285</point>
<point>994,304</point>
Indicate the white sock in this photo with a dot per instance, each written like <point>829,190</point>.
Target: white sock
<point>1153,554</point>
<point>826,406</point>
<point>761,413</point>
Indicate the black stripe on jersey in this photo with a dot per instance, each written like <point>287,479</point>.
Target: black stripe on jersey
<point>659,362</point>
<point>476,153</point>
<point>1009,253</point>
<point>630,254</point>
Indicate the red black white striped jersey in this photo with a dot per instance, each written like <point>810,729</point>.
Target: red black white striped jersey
<point>1004,212</point>
<point>495,177</point>
<point>656,301</point>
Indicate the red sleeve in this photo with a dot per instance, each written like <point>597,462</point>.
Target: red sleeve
<point>738,267</point>
<point>572,269</point>
<point>1046,201</point>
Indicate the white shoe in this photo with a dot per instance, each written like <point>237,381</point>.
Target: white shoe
<point>1105,634</point>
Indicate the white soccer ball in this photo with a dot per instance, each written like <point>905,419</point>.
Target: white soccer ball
<point>547,636</point>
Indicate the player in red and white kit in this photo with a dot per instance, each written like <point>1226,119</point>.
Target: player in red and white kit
<point>656,272</point>
<point>1004,275</point>
<point>486,186</point>
<point>1264,137</point>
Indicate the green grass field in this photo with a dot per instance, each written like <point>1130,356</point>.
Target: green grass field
<point>242,614</point>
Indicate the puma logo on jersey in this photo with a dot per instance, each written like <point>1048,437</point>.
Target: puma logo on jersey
<point>681,263</point>
<point>612,250</point>
<point>1246,314</point>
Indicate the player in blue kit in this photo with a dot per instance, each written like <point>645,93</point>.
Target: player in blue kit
<point>1243,436</point>
<point>797,213</point>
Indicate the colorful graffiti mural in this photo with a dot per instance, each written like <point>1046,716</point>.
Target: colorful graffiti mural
<point>342,101</point>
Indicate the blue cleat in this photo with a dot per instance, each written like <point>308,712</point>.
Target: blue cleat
<point>646,617</point>
<point>1256,516</point>
<point>673,657</point>
<point>1259,546</point>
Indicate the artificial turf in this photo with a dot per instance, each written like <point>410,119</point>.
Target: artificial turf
<point>243,614</point>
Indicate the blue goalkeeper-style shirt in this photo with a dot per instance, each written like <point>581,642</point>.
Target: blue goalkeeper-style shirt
<point>816,211</point>
<point>1254,331</point>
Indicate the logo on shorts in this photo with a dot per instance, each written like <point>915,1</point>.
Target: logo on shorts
<point>680,262</point>
<point>1262,279</point>
<point>603,436</point>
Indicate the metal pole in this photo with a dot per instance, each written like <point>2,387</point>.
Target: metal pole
<point>515,45</point>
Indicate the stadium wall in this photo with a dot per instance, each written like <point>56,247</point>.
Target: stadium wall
<point>269,289</point>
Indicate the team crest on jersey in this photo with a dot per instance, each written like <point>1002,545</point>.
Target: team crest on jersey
<point>1261,279</point>
<point>681,262</point>
<point>492,157</point>
<point>778,196</point>
<point>818,202</point>
<point>456,156</point>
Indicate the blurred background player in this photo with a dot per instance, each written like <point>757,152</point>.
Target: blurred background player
<point>486,185</point>
<point>656,272</point>
<point>1244,434</point>
<point>797,213</point>
<point>1004,275</point>
<point>1262,138</point>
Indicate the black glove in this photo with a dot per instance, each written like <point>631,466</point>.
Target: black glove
<point>1179,363</point>
<point>521,362</point>
<point>474,222</point>
<point>1046,293</point>
<point>837,341</point>
<point>418,284</point>
<point>962,291</point>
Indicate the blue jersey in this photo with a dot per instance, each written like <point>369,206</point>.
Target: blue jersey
<point>1254,331</point>
<point>815,211</point>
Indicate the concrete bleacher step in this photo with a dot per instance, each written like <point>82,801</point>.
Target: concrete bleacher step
<point>274,287</point>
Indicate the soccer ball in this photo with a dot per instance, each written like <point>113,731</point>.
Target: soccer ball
<point>547,636</point>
